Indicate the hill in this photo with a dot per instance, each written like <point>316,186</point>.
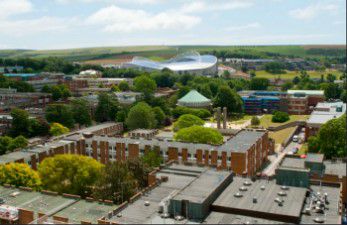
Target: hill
<point>163,52</point>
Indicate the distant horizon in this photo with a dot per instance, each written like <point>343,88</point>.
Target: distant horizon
<point>188,45</point>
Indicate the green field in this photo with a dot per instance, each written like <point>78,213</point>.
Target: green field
<point>281,135</point>
<point>266,122</point>
<point>289,75</point>
<point>163,52</point>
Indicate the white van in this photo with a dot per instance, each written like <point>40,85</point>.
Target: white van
<point>295,138</point>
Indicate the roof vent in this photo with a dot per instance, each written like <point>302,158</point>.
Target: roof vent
<point>255,200</point>
<point>119,215</point>
<point>285,187</point>
<point>247,183</point>
<point>282,193</point>
<point>262,188</point>
<point>243,188</point>
<point>318,220</point>
<point>238,195</point>
<point>308,211</point>
<point>147,203</point>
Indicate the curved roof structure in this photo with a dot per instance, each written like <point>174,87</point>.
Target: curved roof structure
<point>194,99</point>
<point>183,62</point>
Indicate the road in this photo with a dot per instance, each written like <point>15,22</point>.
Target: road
<point>278,156</point>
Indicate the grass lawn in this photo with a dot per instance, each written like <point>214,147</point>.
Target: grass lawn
<point>266,122</point>
<point>241,120</point>
<point>303,150</point>
<point>282,135</point>
<point>291,74</point>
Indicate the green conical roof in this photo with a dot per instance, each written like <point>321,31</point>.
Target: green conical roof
<point>194,97</point>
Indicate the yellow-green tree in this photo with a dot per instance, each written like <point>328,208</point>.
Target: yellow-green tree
<point>187,120</point>
<point>199,134</point>
<point>19,174</point>
<point>58,129</point>
<point>72,174</point>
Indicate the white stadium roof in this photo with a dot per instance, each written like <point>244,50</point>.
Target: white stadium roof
<point>182,62</point>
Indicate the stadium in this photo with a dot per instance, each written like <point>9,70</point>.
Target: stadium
<point>190,62</point>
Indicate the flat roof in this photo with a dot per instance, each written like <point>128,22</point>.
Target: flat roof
<point>307,92</point>
<point>292,162</point>
<point>335,168</point>
<point>85,211</point>
<point>313,157</point>
<point>227,218</point>
<point>14,156</point>
<point>35,201</point>
<point>330,215</point>
<point>292,204</point>
<point>202,187</point>
<point>138,213</point>
<point>241,142</point>
<point>325,111</point>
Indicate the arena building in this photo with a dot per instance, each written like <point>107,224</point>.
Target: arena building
<point>190,62</point>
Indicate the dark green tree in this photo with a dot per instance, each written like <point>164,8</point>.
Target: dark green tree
<point>145,85</point>
<point>141,116</point>
<point>259,83</point>
<point>226,97</point>
<point>20,123</point>
<point>107,108</point>
<point>81,111</point>
<point>124,86</point>
<point>60,113</point>
<point>159,116</point>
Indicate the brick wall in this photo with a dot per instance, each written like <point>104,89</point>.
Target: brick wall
<point>238,162</point>
<point>25,216</point>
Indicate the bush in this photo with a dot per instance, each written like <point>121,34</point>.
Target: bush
<point>255,121</point>
<point>19,174</point>
<point>187,120</point>
<point>72,174</point>
<point>181,110</point>
<point>279,117</point>
<point>199,134</point>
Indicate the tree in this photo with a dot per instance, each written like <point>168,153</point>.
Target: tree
<point>152,159</point>
<point>5,143</point>
<point>115,183</point>
<point>159,116</point>
<point>81,112</point>
<point>164,78</point>
<point>60,113</point>
<point>139,170</point>
<point>198,134</point>
<point>39,127</point>
<point>343,96</point>
<point>187,120</point>
<point>331,78</point>
<point>226,97</point>
<point>20,122</point>
<point>181,110</point>
<point>286,86</point>
<point>121,115</point>
<point>259,83</point>
<point>141,116</point>
<point>313,144</point>
<point>183,91</point>
<point>58,129</point>
<point>331,90</point>
<point>18,142</point>
<point>60,91</point>
<point>72,174</point>
<point>279,117</point>
<point>255,121</point>
<point>124,86</point>
<point>107,108</point>
<point>296,80</point>
<point>19,174</point>
<point>145,84</point>
<point>115,88</point>
<point>332,138</point>
<point>274,67</point>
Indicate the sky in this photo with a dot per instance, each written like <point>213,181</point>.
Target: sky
<point>60,24</point>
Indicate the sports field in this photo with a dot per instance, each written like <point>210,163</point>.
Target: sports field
<point>289,75</point>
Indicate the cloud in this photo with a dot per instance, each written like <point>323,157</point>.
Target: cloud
<point>116,19</point>
<point>313,11</point>
<point>243,27</point>
<point>14,7</point>
<point>110,1</point>
<point>215,5</point>
<point>19,28</point>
